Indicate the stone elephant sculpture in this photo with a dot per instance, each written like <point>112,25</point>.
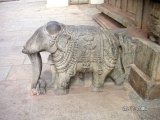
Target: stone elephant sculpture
<point>74,49</point>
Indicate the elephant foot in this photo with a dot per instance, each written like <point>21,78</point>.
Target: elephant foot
<point>40,88</point>
<point>42,91</point>
<point>119,81</point>
<point>39,91</point>
<point>34,91</point>
<point>96,89</point>
<point>61,91</point>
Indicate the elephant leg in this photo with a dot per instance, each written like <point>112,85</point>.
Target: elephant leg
<point>62,84</point>
<point>119,81</point>
<point>54,73</point>
<point>98,81</point>
<point>81,78</point>
<point>37,84</point>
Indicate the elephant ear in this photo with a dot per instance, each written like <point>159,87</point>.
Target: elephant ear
<point>53,27</point>
<point>62,42</point>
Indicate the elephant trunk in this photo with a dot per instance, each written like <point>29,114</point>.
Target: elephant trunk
<point>36,68</point>
<point>32,46</point>
<point>32,49</point>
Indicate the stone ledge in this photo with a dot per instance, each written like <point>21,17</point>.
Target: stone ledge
<point>107,22</point>
<point>143,85</point>
<point>148,58</point>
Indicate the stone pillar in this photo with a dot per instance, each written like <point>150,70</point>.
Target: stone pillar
<point>57,3</point>
<point>96,1</point>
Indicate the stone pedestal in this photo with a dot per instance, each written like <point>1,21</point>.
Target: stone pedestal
<point>145,72</point>
<point>57,3</point>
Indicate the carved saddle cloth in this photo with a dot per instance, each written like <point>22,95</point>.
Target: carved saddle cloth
<point>81,44</point>
<point>90,44</point>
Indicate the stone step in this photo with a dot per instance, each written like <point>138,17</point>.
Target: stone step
<point>114,26</point>
<point>106,21</point>
<point>126,19</point>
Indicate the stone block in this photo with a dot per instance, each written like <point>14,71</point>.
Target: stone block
<point>148,58</point>
<point>143,85</point>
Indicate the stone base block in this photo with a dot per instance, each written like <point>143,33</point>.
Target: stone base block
<point>143,85</point>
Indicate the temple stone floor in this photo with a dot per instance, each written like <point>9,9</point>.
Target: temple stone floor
<point>19,19</point>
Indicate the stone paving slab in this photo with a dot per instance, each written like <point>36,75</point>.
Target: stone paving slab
<point>7,44</point>
<point>11,50</point>
<point>74,106</point>
<point>19,43</point>
<point>21,72</point>
<point>8,60</point>
<point>4,72</point>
